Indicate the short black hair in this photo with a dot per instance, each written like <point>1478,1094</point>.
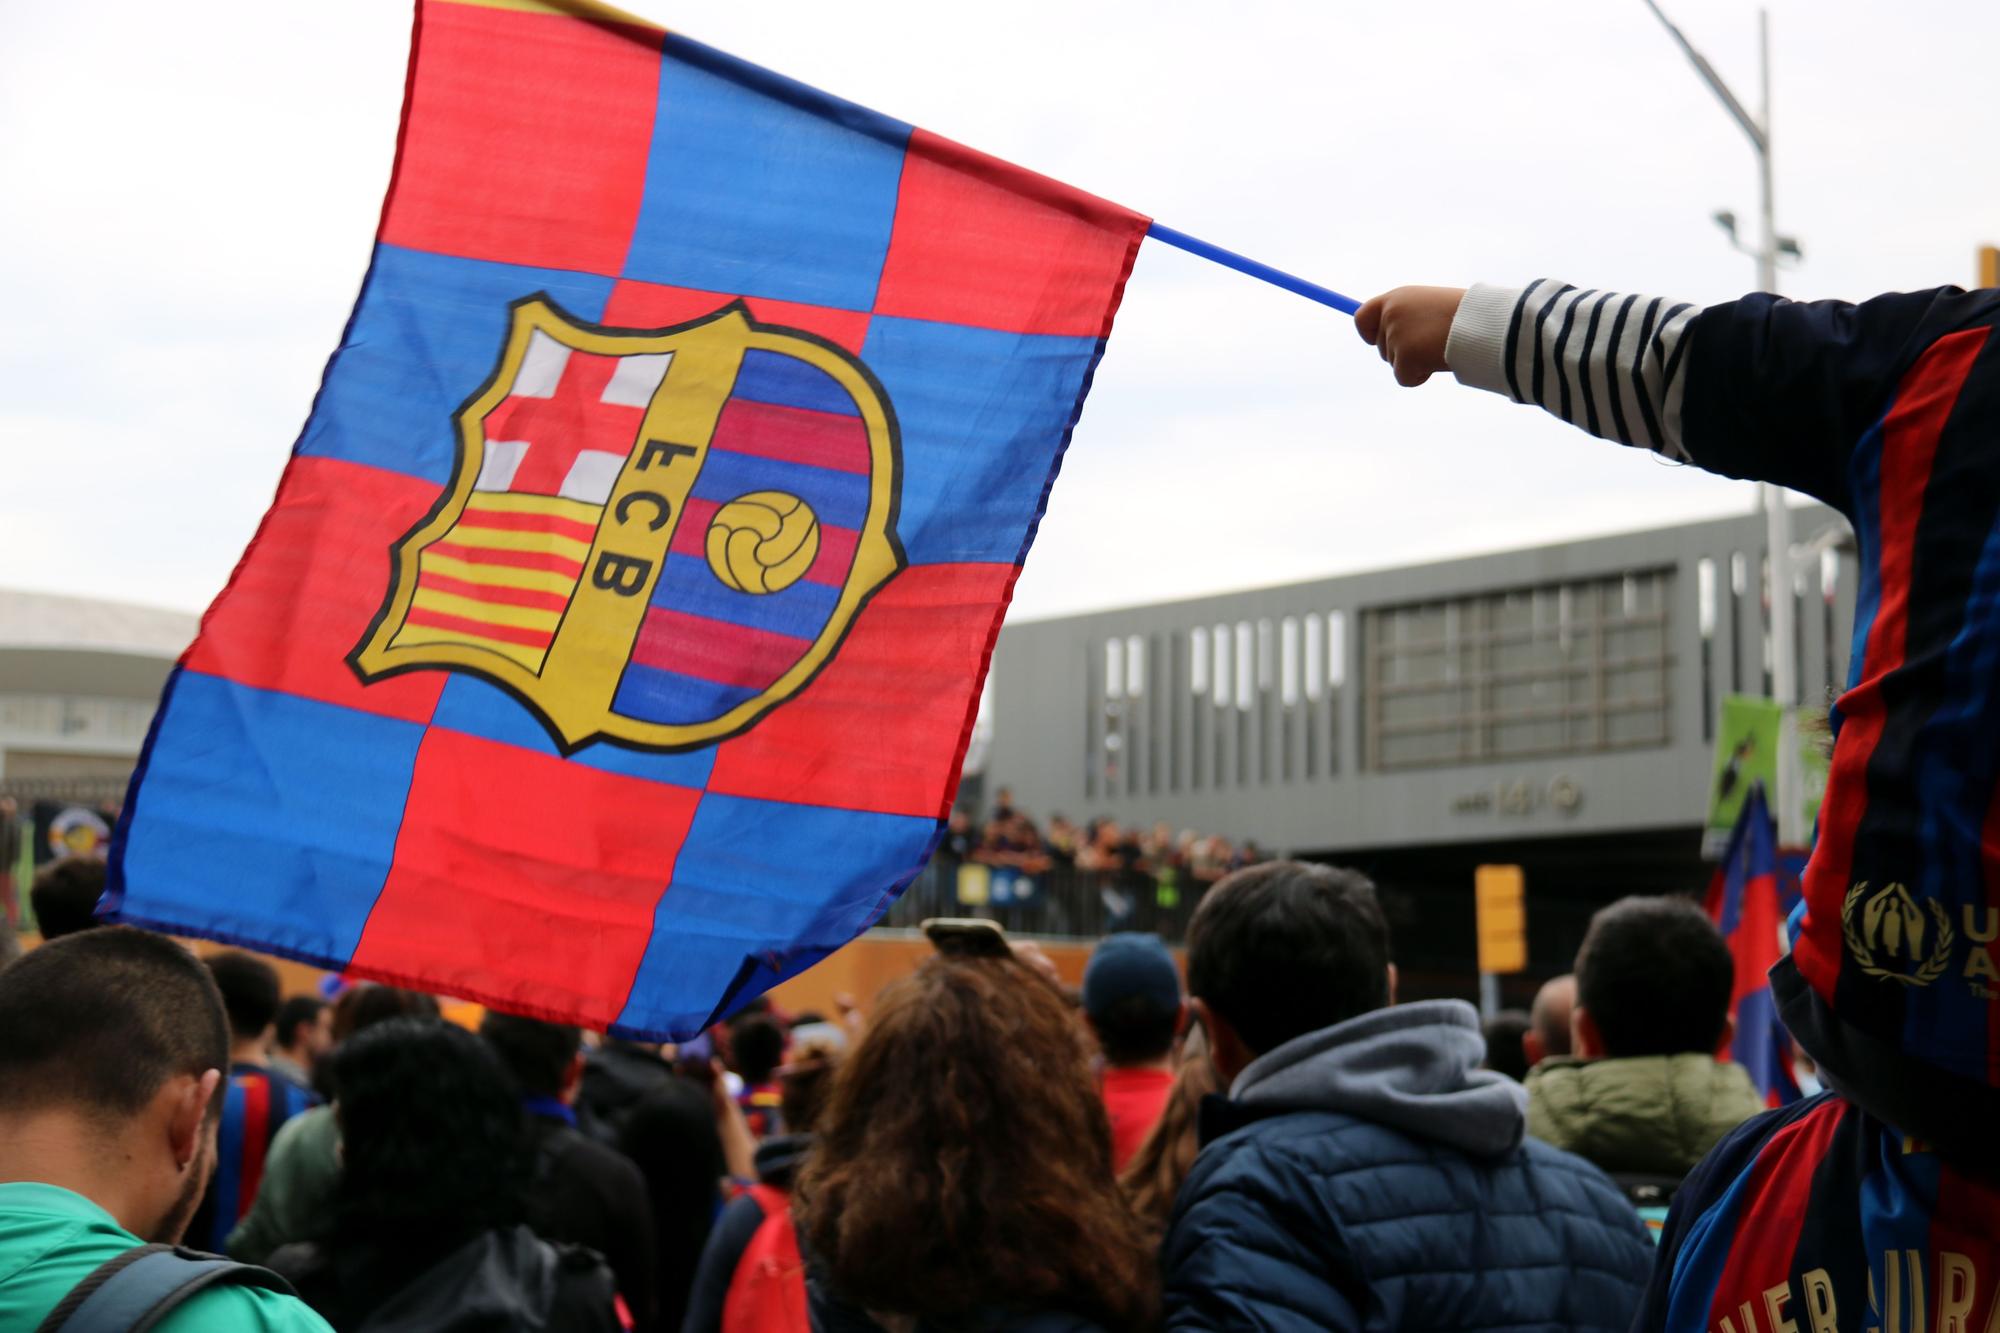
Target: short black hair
<point>100,1020</point>
<point>294,1011</point>
<point>432,1149</point>
<point>1134,1030</point>
<point>64,895</point>
<point>1656,978</point>
<point>1504,1051</point>
<point>250,990</point>
<point>757,1047</point>
<point>536,1054</point>
<point>1286,947</point>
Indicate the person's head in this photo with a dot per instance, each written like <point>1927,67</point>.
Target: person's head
<point>803,1084</point>
<point>359,1008</point>
<point>1505,1052</point>
<point>113,1043</point>
<point>671,1136</point>
<point>756,1048</point>
<point>362,1007</point>
<point>251,993</point>
<point>1132,997</point>
<point>305,1028</point>
<point>963,1158</point>
<point>1653,977</point>
<point>544,1059</point>
<point>1549,1020</point>
<point>431,1143</point>
<point>64,895</point>
<point>1282,949</point>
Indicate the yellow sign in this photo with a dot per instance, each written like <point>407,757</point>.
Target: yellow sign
<point>1500,897</point>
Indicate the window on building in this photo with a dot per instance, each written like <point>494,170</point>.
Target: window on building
<point>1739,584</point>
<point>1704,610</point>
<point>1566,668</point>
<point>1336,680</point>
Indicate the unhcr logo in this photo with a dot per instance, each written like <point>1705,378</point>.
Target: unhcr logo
<point>1892,939</point>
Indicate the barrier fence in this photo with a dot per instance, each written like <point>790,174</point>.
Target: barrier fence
<point>1062,901</point>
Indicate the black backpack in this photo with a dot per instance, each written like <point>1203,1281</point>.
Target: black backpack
<point>133,1291</point>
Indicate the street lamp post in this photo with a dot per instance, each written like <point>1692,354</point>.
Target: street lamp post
<point>1777,517</point>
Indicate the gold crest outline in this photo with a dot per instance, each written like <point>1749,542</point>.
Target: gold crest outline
<point>878,555</point>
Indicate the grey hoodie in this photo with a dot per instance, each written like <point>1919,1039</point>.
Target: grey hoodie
<point>1413,1067</point>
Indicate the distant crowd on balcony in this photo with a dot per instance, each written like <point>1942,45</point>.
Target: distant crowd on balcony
<point>1068,877</point>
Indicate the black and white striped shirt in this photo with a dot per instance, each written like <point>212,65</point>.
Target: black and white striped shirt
<point>1606,362</point>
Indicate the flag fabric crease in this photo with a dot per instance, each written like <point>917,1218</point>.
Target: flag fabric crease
<point>611,647</point>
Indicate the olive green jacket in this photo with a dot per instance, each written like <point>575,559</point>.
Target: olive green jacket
<point>1643,1115</point>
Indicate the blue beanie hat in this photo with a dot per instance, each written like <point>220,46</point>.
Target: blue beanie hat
<point>1131,964</point>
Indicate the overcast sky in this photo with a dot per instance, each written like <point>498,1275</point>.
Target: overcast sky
<point>188,196</point>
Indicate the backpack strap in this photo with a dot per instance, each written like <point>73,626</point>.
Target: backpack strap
<point>133,1291</point>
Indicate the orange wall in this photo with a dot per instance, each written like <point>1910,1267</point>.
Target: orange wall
<point>864,967</point>
<point>860,970</point>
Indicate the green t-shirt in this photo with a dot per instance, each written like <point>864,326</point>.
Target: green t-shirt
<point>50,1240</point>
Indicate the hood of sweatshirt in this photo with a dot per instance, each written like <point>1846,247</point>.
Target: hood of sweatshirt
<point>1412,1067</point>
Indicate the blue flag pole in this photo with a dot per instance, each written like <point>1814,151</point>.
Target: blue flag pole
<point>1243,264</point>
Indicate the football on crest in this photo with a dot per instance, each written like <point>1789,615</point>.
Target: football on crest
<point>763,542</point>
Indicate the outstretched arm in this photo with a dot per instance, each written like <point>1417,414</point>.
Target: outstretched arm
<point>1761,387</point>
<point>1608,363</point>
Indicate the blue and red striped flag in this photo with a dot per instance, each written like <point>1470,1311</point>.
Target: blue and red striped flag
<point>1744,901</point>
<point>612,646</point>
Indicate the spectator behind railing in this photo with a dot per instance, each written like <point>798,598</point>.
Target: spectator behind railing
<point>1080,880</point>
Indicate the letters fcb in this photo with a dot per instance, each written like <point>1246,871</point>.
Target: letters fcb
<point>650,536</point>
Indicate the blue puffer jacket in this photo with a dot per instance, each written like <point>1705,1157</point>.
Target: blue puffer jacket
<point>1370,1176</point>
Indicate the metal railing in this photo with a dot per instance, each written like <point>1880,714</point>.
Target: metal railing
<point>1061,901</point>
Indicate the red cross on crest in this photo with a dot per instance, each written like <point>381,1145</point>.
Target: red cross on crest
<point>569,421</point>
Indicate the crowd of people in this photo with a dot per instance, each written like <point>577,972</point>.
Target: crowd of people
<point>1092,878</point>
<point>983,1148</point>
<point>1010,838</point>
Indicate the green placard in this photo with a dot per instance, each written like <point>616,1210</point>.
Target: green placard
<point>1747,737</point>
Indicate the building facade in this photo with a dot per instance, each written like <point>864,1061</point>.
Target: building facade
<point>1553,707</point>
<point>79,679</point>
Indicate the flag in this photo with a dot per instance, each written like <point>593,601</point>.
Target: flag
<point>1743,901</point>
<point>610,650</point>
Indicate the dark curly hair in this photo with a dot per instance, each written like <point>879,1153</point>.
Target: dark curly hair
<point>431,1142</point>
<point>963,1159</point>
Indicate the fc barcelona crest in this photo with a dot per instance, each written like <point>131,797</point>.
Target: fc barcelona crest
<point>652,536</point>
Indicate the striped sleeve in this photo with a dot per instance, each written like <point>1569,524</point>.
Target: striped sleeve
<point>1609,363</point>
